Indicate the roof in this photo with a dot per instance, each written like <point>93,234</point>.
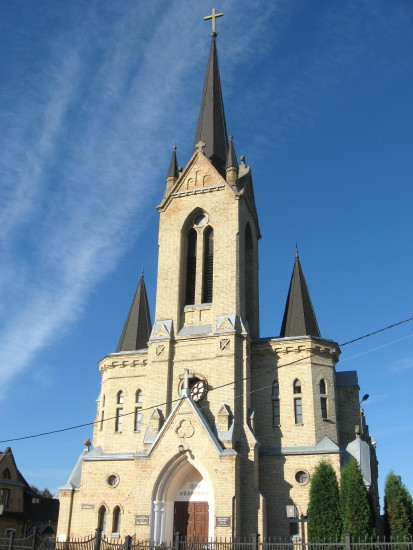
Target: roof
<point>211,128</point>
<point>138,325</point>
<point>299,317</point>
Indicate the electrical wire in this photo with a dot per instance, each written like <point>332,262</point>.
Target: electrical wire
<point>60,430</point>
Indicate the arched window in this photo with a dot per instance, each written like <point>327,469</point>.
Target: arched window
<point>207,285</point>
<point>297,386</point>
<point>102,414</point>
<point>116,520</point>
<point>275,390</point>
<point>323,399</point>
<point>138,410</point>
<point>248,272</point>
<point>102,519</point>
<point>6,474</point>
<point>191,267</point>
<point>120,398</point>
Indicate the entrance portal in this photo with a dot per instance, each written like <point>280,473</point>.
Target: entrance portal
<point>191,520</point>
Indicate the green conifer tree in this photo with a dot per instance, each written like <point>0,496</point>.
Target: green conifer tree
<point>324,521</point>
<point>398,509</point>
<point>356,513</point>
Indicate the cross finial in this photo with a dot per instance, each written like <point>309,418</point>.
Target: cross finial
<point>200,146</point>
<point>213,16</point>
<point>185,377</point>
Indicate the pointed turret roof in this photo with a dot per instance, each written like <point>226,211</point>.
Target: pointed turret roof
<point>138,326</point>
<point>231,156</point>
<point>299,317</point>
<point>211,128</point>
<point>173,171</point>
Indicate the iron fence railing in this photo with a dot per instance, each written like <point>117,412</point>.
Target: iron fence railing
<point>98,542</point>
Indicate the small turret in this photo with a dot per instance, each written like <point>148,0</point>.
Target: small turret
<point>232,163</point>
<point>173,172</point>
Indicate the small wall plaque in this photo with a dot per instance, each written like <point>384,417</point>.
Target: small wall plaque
<point>222,521</point>
<point>141,520</point>
<point>88,506</point>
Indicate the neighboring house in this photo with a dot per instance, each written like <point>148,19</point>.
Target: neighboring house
<point>203,427</point>
<point>21,508</point>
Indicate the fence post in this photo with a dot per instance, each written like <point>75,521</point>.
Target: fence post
<point>34,538</point>
<point>128,540</point>
<point>12,533</point>
<point>177,537</point>
<point>254,541</point>
<point>347,540</point>
<point>98,538</point>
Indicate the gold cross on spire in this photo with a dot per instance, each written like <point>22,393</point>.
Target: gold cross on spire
<point>213,16</point>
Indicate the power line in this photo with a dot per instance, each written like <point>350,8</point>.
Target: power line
<point>60,430</point>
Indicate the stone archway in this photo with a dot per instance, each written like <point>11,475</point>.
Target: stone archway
<point>183,500</point>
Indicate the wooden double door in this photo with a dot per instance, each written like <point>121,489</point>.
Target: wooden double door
<point>191,520</point>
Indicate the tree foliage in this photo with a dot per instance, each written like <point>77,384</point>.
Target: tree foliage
<point>356,512</point>
<point>45,493</point>
<point>324,520</point>
<point>398,509</point>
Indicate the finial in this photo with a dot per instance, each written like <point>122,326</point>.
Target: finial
<point>242,157</point>
<point>174,147</point>
<point>213,16</point>
<point>143,271</point>
<point>296,250</point>
<point>87,444</point>
<point>200,146</point>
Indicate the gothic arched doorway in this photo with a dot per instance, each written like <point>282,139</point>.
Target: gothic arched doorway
<point>183,502</point>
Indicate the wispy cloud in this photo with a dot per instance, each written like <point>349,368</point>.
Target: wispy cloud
<point>79,162</point>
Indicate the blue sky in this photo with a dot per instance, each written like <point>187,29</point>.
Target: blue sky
<point>318,96</point>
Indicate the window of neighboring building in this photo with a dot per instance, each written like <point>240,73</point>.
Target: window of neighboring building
<point>275,403</point>
<point>118,420</point>
<point>102,519</point>
<point>297,386</point>
<point>6,474</point>
<point>323,400</point>
<point>116,520</point>
<point>298,410</point>
<point>5,497</point>
<point>120,398</point>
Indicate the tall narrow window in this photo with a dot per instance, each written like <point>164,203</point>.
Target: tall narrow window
<point>118,419</point>
<point>275,404</point>
<point>323,400</point>
<point>102,420</point>
<point>138,410</point>
<point>297,386</point>
<point>116,520</point>
<point>249,273</point>
<point>120,398</point>
<point>5,497</point>
<point>207,286</point>
<point>298,410</point>
<point>191,267</point>
<point>102,519</point>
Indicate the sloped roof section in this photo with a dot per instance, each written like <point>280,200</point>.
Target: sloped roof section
<point>138,325</point>
<point>299,317</point>
<point>212,129</point>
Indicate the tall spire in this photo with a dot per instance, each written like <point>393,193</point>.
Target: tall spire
<point>299,317</point>
<point>137,328</point>
<point>211,127</point>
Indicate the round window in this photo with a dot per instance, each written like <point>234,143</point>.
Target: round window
<point>302,477</point>
<point>113,480</point>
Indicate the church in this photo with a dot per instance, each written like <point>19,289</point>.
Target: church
<point>203,427</point>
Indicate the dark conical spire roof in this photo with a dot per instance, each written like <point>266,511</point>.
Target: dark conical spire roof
<point>299,317</point>
<point>173,171</point>
<point>231,156</point>
<point>211,128</point>
<point>138,326</point>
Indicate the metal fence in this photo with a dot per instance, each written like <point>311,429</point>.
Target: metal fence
<point>97,542</point>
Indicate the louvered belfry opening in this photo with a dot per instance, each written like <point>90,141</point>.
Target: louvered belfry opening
<point>191,267</point>
<point>207,286</point>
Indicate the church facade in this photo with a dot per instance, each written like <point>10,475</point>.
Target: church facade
<point>203,427</point>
